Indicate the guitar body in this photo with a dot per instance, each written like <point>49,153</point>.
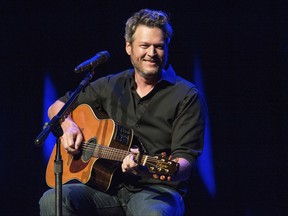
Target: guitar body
<point>85,167</point>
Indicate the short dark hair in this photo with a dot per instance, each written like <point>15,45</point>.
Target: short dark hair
<point>150,18</point>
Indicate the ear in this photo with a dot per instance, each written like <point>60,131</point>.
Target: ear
<point>128,48</point>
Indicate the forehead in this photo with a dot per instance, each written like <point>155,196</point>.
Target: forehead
<point>148,34</point>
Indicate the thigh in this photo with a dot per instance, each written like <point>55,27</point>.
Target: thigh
<point>79,199</point>
<point>156,201</point>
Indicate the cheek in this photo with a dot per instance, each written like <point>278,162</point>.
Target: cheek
<point>139,54</point>
<point>161,54</point>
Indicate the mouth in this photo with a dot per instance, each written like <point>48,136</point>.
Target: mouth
<point>150,61</point>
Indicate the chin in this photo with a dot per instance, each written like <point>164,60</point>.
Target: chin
<point>150,73</point>
<point>151,70</point>
<point>146,74</point>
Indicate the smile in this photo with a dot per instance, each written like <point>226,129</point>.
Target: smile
<point>149,60</point>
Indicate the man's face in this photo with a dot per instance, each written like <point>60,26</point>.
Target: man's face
<point>148,51</point>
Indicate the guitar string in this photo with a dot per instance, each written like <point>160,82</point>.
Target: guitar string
<point>92,147</point>
<point>105,151</point>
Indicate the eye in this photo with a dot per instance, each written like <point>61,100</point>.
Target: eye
<point>161,47</point>
<point>144,46</point>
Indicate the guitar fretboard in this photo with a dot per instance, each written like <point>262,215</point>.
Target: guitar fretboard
<point>105,152</point>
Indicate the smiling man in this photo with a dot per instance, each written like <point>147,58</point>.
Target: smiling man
<point>147,51</point>
<point>166,114</point>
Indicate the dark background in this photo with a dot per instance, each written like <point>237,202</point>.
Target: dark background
<point>242,47</point>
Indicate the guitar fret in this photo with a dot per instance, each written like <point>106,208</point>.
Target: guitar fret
<point>144,160</point>
<point>109,153</point>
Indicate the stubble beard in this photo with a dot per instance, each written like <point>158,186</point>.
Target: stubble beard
<point>145,73</point>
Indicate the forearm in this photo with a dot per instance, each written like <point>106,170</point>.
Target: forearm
<point>72,136</point>
<point>54,109</point>
<point>184,170</point>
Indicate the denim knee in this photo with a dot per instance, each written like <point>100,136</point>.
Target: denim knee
<point>47,203</point>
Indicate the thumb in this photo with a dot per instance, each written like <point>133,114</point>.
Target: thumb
<point>134,150</point>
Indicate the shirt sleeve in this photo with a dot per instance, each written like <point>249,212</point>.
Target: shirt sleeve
<point>188,127</point>
<point>90,94</point>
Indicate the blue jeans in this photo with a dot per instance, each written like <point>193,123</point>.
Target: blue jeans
<point>79,199</point>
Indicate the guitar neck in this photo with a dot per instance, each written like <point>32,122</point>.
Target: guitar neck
<point>109,153</point>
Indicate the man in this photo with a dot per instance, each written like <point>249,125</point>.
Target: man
<point>166,114</point>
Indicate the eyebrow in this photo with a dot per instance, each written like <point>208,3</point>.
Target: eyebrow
<point>156,44</point>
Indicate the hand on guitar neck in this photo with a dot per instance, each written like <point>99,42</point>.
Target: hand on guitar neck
<point>130,165</point>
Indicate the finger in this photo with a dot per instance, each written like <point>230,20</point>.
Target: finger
<point>124,170</point>
<point>70,145</point>
<point>131,161</point>
<point>72,140</point>
<point>129,165</point>
<point>64,142</point>
<point>78,141</point>
<point>155,176</point>
<point>124,165</point>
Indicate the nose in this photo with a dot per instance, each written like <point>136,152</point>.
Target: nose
<point>151,51</point>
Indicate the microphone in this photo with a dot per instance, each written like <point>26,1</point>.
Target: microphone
<point>90,64</point>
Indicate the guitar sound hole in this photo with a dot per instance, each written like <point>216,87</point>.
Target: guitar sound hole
<point>88,150</point>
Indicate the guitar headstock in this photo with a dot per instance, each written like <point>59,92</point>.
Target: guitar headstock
<point>161,165</point>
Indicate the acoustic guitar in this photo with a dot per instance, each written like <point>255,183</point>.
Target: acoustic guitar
<point>105,144</point>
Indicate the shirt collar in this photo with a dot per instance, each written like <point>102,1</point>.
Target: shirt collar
<point>169,75</point>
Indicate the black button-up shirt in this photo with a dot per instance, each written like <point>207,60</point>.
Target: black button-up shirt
<point>169,119</point>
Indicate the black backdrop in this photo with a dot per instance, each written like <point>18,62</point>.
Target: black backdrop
<point>242,47</point>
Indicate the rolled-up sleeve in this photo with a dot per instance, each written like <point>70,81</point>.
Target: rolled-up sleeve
<point>188,127</point>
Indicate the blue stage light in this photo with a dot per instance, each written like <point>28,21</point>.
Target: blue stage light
<point>48,98</point>
<point>205,162</point>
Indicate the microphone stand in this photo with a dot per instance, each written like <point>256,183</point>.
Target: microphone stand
<point>54,126</point>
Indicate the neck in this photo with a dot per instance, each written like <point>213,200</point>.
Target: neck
<point>145,84</point>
